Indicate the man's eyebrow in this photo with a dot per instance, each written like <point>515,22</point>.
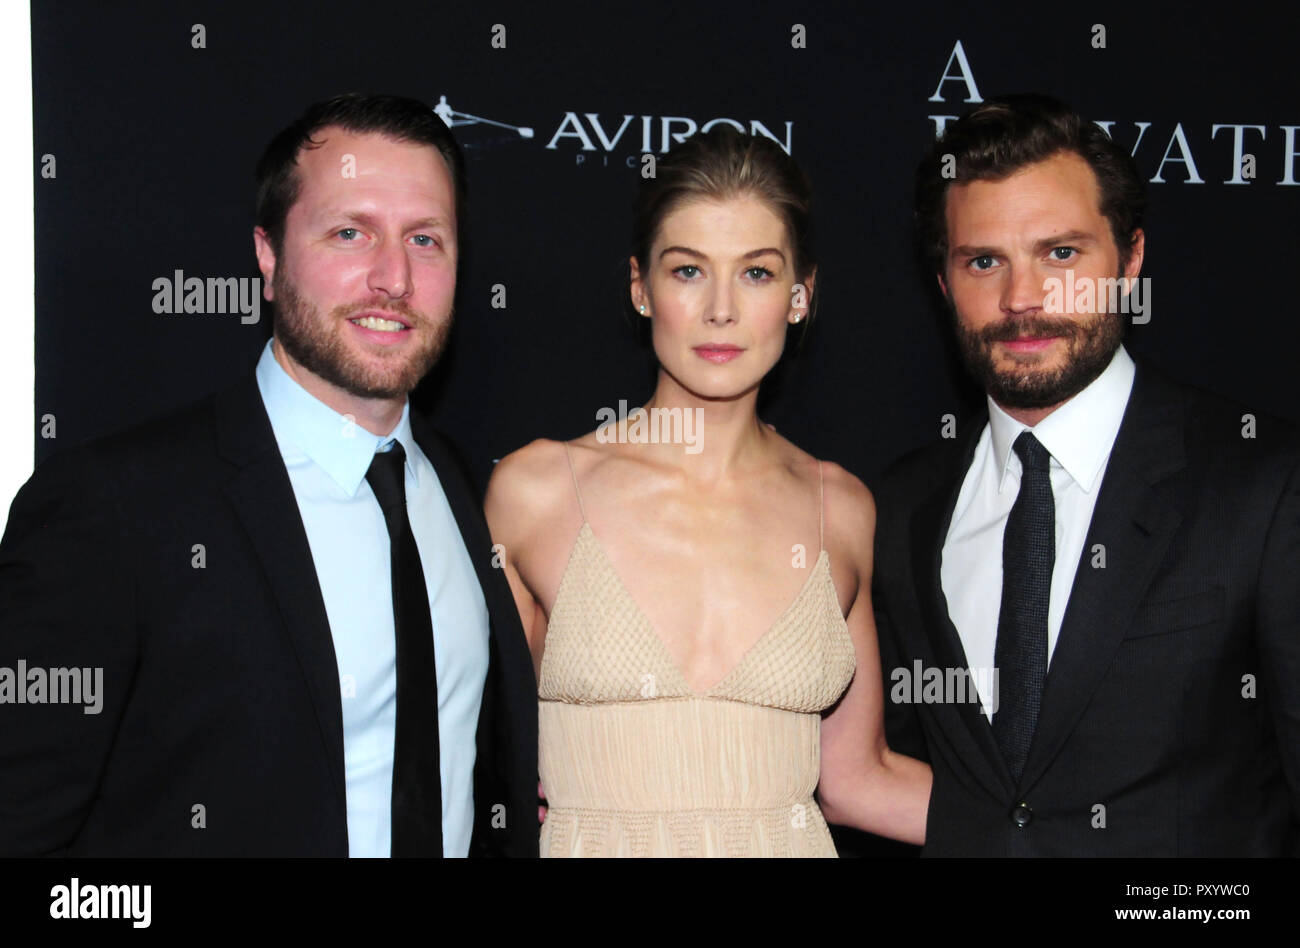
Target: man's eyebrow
<point>1047,243</point>
<point>970,250</point>
<point>1069,237</point>
<point>695,253</point>
<point>371,220</point>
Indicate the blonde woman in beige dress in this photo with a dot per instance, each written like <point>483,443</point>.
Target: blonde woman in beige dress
<point>699,612</point>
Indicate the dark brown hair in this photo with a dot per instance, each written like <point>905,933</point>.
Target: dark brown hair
<point>396,117</point>
<point>720,164</point>
<point>1003,135</point>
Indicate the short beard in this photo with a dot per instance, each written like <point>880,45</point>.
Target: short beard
<point>1091,341</point>
<point>318,347</point>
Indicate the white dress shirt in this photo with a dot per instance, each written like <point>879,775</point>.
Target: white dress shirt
<point>1079,436</point>
<point>327,457</point>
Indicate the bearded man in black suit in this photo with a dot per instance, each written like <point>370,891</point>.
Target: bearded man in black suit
<point>287,588</point>
<point>1107,560</point>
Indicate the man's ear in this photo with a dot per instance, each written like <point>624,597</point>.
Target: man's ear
<point>1136,250</point>
<point>265,261</point>
<point>943,287</point>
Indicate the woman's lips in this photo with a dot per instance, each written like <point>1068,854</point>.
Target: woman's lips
<point>718,353</point>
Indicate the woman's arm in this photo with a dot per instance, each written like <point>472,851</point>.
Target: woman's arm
<point>863,783</point>
<point>512,508</point>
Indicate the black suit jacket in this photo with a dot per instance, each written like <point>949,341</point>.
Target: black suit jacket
<point>1170,718</point>
<point>220,686</point>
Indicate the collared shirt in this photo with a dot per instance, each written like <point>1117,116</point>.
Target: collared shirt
<point>1079,436</point>
<point>327,456</point>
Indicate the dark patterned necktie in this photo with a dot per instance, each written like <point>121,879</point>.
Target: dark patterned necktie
<point>1028,554</point>
<point>417,781</point>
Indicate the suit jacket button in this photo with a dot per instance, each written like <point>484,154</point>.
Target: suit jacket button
<point>1021,814</point>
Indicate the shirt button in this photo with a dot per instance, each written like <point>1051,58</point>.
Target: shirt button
<point>1022,815</point>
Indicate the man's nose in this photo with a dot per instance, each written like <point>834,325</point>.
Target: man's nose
<point>1023,291</point>
<point>390,270</point>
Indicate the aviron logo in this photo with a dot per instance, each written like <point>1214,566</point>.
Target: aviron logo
<point>454,119</point>
<point>588,132</point>
<point>1233,147</point>
<point>656,133</point>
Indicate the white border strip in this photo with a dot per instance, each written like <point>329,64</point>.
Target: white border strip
<point>18,160</point>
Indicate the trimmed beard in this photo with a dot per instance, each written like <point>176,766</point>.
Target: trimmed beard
<point>313,345</point>
<point>1091,342</point>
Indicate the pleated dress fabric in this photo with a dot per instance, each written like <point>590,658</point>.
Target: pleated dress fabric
<point>636,763</point>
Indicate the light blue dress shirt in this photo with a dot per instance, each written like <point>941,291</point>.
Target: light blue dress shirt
<point>327,456</point>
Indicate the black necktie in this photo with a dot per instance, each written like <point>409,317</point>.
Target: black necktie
<point>1028,554</point>
<point>417,781</point>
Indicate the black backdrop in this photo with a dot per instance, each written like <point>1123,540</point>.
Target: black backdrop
<point>155,140</point>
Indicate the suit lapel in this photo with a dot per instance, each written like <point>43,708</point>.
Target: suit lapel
<point>507,634</point>
<point>1135,520</point>
<point>964,722</point>
<point>463,507</point>
<point>263,498</point>
<point>507,732</point>
<point>473,530</point>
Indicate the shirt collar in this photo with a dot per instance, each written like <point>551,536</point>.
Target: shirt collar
<point>338,445</point>
<point>1079,434</point>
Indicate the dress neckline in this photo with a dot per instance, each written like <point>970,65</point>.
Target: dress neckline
<point>585,531</point>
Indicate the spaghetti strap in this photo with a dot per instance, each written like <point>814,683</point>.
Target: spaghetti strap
<point>569,456</point>
<point>821,507</point>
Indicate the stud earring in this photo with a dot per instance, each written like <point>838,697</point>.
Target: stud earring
<point>642,309</point>
<point>797,317</point>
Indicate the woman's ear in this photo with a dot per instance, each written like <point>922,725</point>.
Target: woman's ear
<point>810,282</point>
<point>801,295</point>
<point>640,298</point>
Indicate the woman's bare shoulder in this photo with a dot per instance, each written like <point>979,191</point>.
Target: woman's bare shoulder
<point>843,489</point>
<point>850,513</point>
<point>527,485</point>
<point>851,497</point>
